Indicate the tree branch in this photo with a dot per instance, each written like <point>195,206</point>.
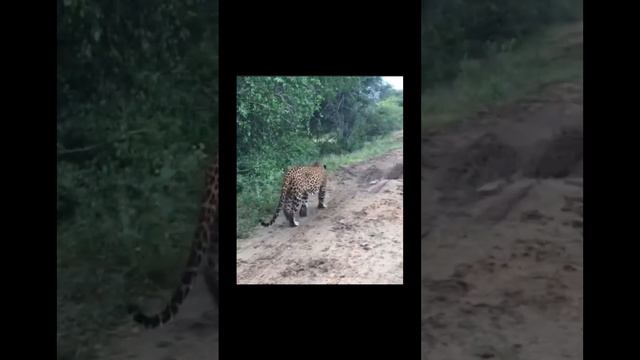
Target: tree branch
<point>92,147</point>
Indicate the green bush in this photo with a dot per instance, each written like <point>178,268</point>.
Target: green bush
<point>386,117</point>
<point>455,30</point>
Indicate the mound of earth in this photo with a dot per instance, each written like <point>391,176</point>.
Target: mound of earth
<point>483,160</point>
<point>561,157</point>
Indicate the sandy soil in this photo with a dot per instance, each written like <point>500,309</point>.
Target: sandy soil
<point>501,230</point>
<point>193,335</point>
<point>357,239</point>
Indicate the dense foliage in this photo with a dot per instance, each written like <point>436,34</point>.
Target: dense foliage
<point>454,30</point>
<point>137,117</point>
<point>289,119</point>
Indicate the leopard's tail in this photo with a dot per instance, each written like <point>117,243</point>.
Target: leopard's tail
<point>278,208</point>
<point>196,255</point>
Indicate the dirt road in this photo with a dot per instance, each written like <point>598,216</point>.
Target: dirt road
<point>502,232</point>
<point>356,240</point>
<point>193,335</point>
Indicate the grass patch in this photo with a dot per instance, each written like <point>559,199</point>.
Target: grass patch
<point>260,202</point>
<point>552,55</point>
<point>370,150</point>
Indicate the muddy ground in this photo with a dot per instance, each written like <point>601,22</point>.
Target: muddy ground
<point>502,232</point>
<point>357,239</point>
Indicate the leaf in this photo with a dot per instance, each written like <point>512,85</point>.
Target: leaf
<point>97,32</point>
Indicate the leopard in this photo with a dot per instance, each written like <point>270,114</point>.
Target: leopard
<point>204,251</point>
<point>299,182</point>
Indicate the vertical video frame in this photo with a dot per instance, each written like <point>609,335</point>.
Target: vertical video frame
<point>319,180</point>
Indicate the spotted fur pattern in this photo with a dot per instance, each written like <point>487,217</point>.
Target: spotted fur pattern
<point>300,182</point>
<point>204,246</point>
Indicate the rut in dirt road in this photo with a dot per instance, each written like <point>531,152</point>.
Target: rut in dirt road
<point>502,232</point>
<point>357,239</point>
